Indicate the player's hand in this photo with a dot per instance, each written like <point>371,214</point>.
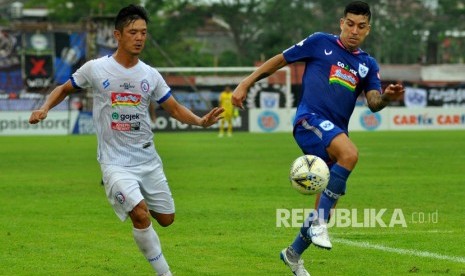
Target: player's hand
<point>37,116</point>
<point>238,96</point>
<point>212,117</point>
<point>393,91</point>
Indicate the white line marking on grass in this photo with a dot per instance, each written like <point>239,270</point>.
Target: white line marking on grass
<point>410,252</point>
<point>409,232</point>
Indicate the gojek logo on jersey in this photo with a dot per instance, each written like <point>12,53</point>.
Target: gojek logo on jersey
<point>125,117</point>
<point>124,98</point>
<point>125,122</point>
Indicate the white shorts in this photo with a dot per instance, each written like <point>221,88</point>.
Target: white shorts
<point>126,187</point>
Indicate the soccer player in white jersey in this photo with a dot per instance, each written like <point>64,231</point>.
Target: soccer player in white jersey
<point>123,87</point>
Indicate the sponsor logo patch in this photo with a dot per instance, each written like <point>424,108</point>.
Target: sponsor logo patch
<point>326,125</point>
<point>125,99</point>
<point>125,117</point>
<point>125,126</point>
<point>343,77</point>
<point>106,83</point>
<point>127,85</point>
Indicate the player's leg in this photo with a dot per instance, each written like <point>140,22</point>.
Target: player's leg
<point>345,153</point>
<point>311,138</point>
<point>221,128</point>
<point>124,194</point>
<point>313,135</point>
<point>317,202</point>
<point>296,266</point>
<point>147,239</point>
<point>140,216</point>
<point>230,125</point>
<point>163,219</point>
<point>157,194</point>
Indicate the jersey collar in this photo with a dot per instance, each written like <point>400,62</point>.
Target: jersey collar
<point>356,52</point>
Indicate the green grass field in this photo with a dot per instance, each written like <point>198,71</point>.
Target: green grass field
<point>55,219</point>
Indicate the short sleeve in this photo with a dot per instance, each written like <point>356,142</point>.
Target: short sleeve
<point>82,77</point>
<point>303,50</point>
<point>373,80</point>
<point>161,91</point>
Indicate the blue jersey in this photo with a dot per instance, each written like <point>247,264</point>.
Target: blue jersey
<point>333,77</point>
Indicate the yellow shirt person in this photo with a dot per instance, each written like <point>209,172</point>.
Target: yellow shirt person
<point>228,114</point>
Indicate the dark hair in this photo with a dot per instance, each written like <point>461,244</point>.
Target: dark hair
<point>358,8</point>
<point>129,14</point>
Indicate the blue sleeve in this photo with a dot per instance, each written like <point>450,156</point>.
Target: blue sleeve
<point>303,50</point>
<point>373,81</point>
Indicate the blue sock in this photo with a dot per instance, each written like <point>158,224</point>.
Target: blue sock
<point>302,242</point>
<point>336,187</point>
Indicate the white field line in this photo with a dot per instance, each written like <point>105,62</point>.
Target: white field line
<point>387,233</point>
<point>410,252</point>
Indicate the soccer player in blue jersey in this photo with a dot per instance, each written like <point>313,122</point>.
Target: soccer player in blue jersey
<point>336,72</point>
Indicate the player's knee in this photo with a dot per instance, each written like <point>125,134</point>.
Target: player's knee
<point>140,217</point>
<point>163,220</point>
<point>349,158</point>
<point>167,221</point>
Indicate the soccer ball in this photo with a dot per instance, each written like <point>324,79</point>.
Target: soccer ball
<point>309,174</point>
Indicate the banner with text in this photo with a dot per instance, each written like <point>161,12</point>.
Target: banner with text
<point>57,123</point>
<point>390,118</point>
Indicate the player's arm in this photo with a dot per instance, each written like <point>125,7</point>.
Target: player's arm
<point>266,69</point>
<point>57,95</point>
<point>377,101</point>
<point>184,115</point>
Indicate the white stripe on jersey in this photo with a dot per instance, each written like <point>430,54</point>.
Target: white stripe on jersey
<point>120,108</point>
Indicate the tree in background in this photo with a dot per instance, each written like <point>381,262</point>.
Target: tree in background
<point>398,34</point>
<point>172,30</point>
<point>447,32</point>
<point>67,11</point>
<point>404,32</point>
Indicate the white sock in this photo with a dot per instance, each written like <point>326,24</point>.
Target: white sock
<point>149,244</point>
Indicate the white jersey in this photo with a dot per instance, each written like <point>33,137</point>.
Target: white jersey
<point>120,108</point>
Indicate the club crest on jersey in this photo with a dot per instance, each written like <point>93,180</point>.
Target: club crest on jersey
<point>120,197</point>
<point>362,70</point>
<point>125,99</point>
<point>145,86</point>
